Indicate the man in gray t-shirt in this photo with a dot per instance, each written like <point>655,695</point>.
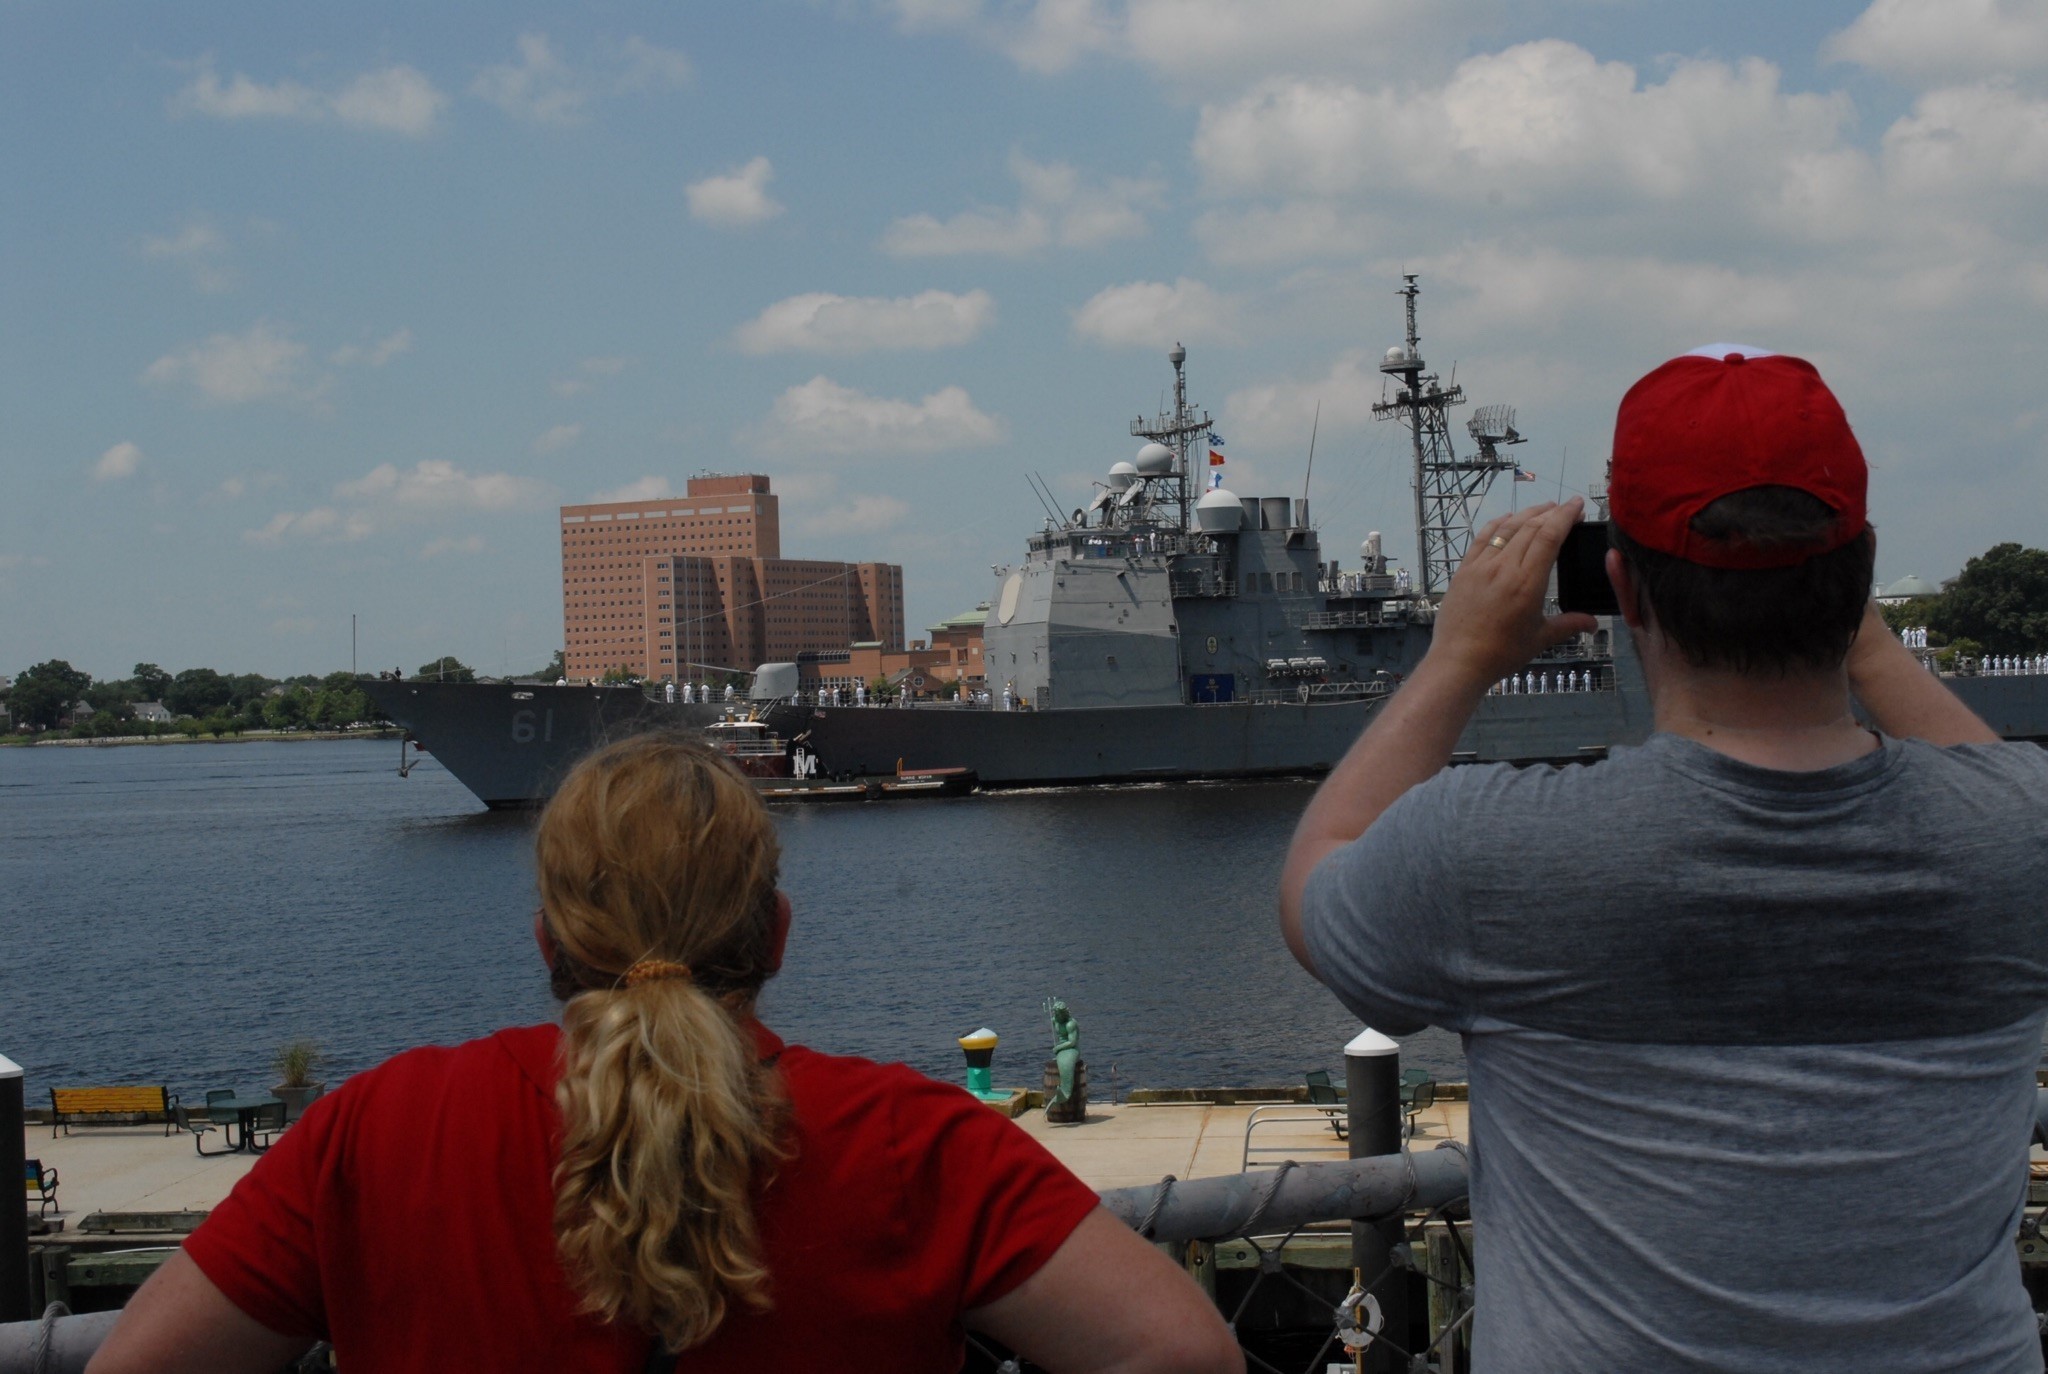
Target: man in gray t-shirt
<point>1753,1010</point>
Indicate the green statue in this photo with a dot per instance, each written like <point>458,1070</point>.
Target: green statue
<point>1066,1047</point>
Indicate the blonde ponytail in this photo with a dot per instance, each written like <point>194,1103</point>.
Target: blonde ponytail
<point>657,849</point>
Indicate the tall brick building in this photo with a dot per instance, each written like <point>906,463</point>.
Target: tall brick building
<point>687,586</point>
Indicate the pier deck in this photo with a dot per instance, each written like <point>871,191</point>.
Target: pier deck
<point>1138,1143</point>
<point>140,1169</point>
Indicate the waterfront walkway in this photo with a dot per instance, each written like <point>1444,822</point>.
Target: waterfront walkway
<point>140,1169</point>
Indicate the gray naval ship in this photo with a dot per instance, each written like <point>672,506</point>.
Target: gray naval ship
<point>1161,632</point>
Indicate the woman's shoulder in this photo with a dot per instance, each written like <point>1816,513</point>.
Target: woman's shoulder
<point>495,1061</point>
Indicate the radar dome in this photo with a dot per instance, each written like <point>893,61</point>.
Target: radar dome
<point>1219,512</point>
<point>1155,460</point>
<point>1121,475</point>
<point>1397,354</point>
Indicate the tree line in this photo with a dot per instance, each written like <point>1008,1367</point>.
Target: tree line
<point>47,697</point>
<point>1998,604</point>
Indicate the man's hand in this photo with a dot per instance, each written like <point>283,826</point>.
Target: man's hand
<point>1903,698</point>
<point>1491,622</point>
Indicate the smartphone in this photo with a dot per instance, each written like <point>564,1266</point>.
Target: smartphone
<point>1582,583</point>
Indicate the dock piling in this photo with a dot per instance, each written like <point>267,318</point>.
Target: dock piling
<point>1372,1100</point>
<point>14,1305</point>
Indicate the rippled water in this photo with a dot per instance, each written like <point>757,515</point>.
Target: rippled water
<point>172,914</point>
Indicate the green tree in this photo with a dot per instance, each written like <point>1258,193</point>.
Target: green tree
<point>198,692</point>
<point>189,728</point>
<point>286,710</point>
<point>2000,599</point>
<point>44,695</point>
<point>151,682</point>
<point>112,698</point>
<point>619,675</point>
<point>218,723</point>
<point>558,667</point>
<point>447,668</point>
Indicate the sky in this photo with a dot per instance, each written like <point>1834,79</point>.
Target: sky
<point>312,312</point>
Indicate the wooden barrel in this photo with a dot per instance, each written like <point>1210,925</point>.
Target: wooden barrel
<point>1076,1109</point>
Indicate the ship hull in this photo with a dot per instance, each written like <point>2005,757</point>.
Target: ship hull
<point>511,744</point>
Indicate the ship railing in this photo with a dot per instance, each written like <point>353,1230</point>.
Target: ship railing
<point>1349,620</point>
<point>1201,584</point>
<point>1315,692</point>
<point>1294,1228</point>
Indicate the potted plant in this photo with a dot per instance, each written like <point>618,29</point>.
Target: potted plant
<point>294,1062</point>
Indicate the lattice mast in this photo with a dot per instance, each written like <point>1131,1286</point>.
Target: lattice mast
<point>1448,489</point>
<point>1177,431</point>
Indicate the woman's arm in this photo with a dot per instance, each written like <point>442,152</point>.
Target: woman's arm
<point>1110,1303</point>
<point>179,1323</point>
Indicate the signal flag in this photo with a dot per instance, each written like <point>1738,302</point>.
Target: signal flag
<point>1215,459</point>
<point>1524,475</point>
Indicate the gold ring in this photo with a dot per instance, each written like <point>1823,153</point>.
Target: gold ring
<point>1497,542</point>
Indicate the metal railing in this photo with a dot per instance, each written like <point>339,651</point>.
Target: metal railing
<point>1251,1221</point>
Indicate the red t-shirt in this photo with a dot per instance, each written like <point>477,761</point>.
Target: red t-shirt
<point>408,1218</point>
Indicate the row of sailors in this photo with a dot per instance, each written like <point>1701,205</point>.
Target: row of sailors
<point>1537,684</point>
<point>1914,637</point>
<point>694,692</point>
<point>2012,665</point>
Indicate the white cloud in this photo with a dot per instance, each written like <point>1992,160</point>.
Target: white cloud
<point>437,484</point>
<point>819,322</point>
<point>376,354</point>
<point>1057,207</point>
<point>1155,314</point>
<point>1539,123</point>
<point>232,488</point>
<point>396,99</point>
<point>434,548</point>
<point>648,66</point>
<point>823,417</point>
<point>120,461</point>
<point>324,523</point>
<point>261,363</point>
<point>1215,40</point>
<point>1292,231</point>
<point>736,199</point>
<point>650,488</point>
<point>387,495</point>
<point>539,87</point>
<point>556,439</point>
<point>1279,413</point>
<point>588,371</point>
<point>1981,139</point>
<point>199,249</point>
<point>868,514</point>
<point>1945,40</point>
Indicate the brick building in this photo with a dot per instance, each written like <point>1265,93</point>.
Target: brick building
<point>684,587</point>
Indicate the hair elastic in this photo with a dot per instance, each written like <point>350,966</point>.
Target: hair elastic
<point>647,970</point>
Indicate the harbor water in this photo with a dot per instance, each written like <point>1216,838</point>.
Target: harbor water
<point>174,913</point>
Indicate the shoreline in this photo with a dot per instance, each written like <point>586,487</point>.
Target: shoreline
<point>247,737</point>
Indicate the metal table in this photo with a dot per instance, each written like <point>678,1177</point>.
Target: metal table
<point>245,1110</point>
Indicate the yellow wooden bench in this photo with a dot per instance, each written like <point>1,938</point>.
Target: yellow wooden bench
<point>116,1106</point>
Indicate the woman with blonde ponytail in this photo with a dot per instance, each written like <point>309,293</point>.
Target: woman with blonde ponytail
<point>659,1182</point>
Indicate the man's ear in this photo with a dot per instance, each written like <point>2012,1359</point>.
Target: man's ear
<point>1625,590</point>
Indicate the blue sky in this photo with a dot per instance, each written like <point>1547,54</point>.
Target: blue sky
<point>317,312</point>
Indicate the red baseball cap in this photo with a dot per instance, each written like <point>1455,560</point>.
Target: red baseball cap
<point>1719,420</point>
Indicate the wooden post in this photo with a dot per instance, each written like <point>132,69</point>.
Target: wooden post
<point>1449,1277</point>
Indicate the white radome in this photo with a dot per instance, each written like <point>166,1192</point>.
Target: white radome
<point>1121,475</point>
<point>1155,460</point>
<point>1219,511</point>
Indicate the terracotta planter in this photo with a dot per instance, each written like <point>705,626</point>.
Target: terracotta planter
<point>296,1100</point>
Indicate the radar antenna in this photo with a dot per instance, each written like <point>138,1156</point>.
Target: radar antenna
<point>1177,431</point>
<point>1448,489</point>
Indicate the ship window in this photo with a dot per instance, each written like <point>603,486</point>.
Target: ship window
<point>1111,660</point>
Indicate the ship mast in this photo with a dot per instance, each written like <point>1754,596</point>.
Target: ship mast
<point>1177,431</point>
<point>1448,489</point>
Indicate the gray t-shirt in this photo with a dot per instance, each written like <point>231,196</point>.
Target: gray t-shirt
<point>1752,1053</point>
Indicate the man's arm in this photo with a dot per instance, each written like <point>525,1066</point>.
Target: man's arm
<point>179,1323</point>
<point>1491,623</point>
<point>1108,1302</point>
<point>1903,698</point>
